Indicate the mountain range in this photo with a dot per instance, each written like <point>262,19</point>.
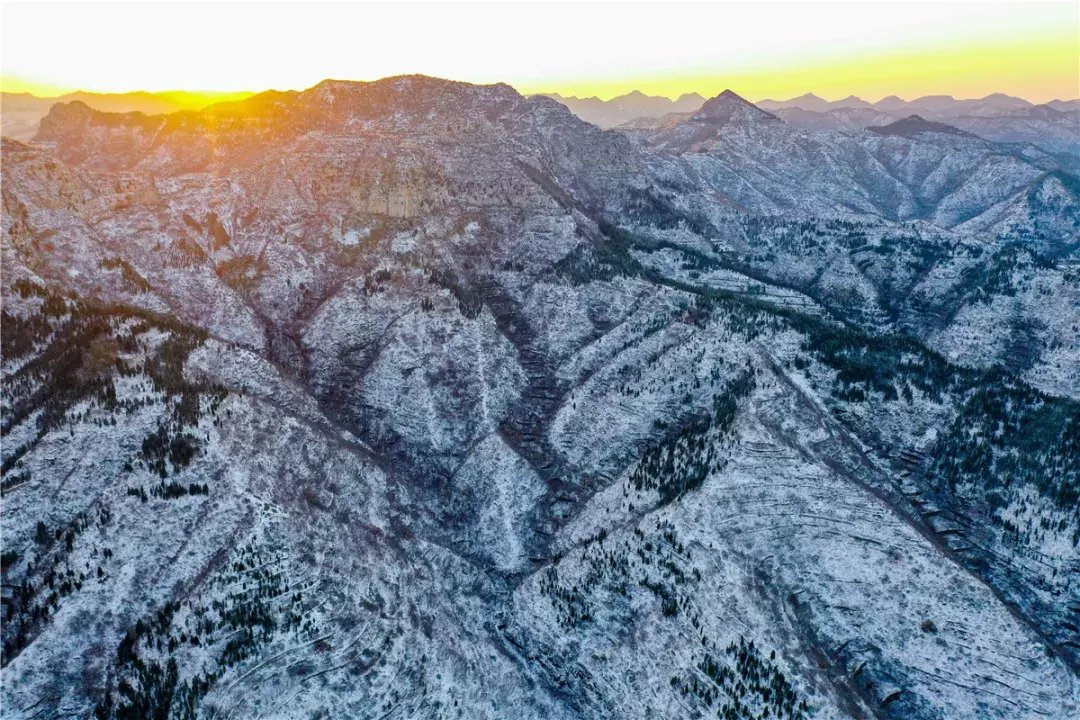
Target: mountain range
<point>416,398</point>
<point>21,112</point>
<point>1054,126</point>
<point>627,108</point>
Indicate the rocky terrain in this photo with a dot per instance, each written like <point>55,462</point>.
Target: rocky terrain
<point>416,398</point>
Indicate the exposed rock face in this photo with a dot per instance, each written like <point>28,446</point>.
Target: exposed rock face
<point>417,398</point>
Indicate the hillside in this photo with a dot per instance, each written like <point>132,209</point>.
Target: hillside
<point>420,398</point>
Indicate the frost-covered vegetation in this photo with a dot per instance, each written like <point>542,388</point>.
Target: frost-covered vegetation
<point>422,399</point>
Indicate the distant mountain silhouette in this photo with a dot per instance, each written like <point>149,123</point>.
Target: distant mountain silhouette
<point>21,112</point>
<point>628,108</point>
<point>914,124</point>
<point>809,101</point>
<point>933,106</point>
<point>1065,105</point>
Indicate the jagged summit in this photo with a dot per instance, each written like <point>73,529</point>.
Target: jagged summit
<point>915,124</point>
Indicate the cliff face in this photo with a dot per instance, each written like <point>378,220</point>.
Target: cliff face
<point>426,398</point>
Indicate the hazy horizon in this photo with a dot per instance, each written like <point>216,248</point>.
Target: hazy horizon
<point>761,51</point>
<point>228,95</point>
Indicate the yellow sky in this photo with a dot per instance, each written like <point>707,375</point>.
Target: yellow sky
<point>764,49</point>
<point>1040,69</point>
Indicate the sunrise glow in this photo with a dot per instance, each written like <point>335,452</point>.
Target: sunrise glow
<point>760,50</point>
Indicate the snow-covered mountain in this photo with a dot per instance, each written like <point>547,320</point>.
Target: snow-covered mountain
<point>416,398</point>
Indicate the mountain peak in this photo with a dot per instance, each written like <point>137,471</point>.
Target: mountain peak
<point>891,102</point>
<point>1003,101</point>
<point>806,101</point>
<point>915,124</point>
<point>851,101</point>
<point>934,103</point>
<point>1045,112</point>
<point>690,97</point>
<point>728,105</point>
<point>730,96</point>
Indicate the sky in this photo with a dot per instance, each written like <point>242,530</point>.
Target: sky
<point>760,50</point>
